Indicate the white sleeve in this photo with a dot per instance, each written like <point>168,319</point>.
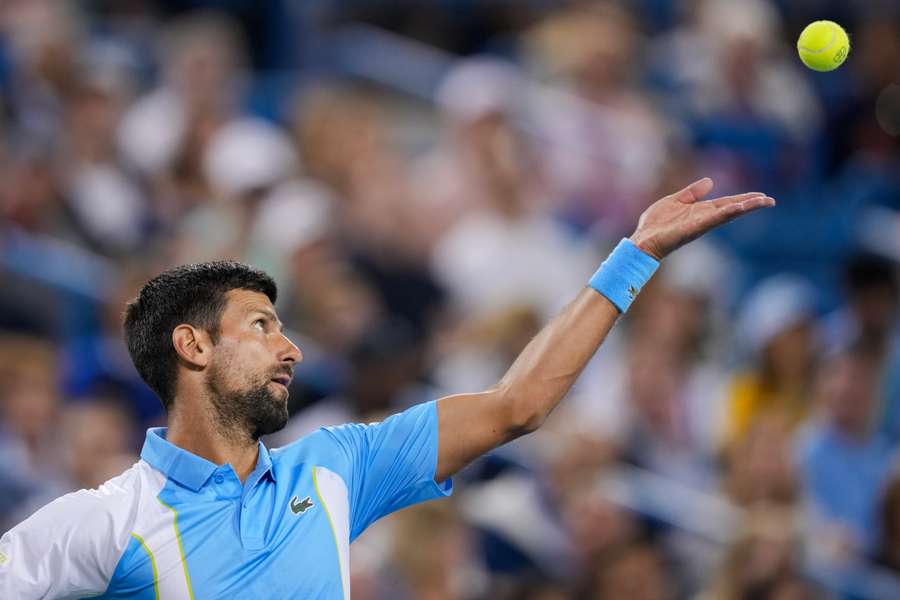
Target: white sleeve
<point>68,548</point>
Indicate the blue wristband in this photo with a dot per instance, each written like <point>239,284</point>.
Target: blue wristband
<point>623,274</point>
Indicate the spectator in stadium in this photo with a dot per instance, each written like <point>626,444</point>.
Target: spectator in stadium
<point>347,141</point>
<point>162,134</point>
<point>435,553</point>
<point>636,570</point>
<point>677,377</point>
<point>243,161</point>
<point>482,153</point>
<point>336,126</point>
<point>764,558</point>
<point>32,198</point>
<point>97,434</point>
<point>663,435</point>
<point>506,223</point>
<point>844,461</point>
<point>96,361</point>
<point>759,466</point>
<point>776,328</point>
<point>104,200</point>
<point>605,139</point>
<point>30,402</point>
<point>188,143</point>
<point>499,230</point>
<point>30,413</point>
<point>44,40</point>
<point>869,316</point>
<point>344,135</point>
<point>596,525</point>
<point>95,437</point>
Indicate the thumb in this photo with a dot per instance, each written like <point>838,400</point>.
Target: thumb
<point>695,191</point>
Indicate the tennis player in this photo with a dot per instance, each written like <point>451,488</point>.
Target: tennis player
<point>209,512</point>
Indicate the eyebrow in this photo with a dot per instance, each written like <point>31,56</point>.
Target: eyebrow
<point>270,314</point>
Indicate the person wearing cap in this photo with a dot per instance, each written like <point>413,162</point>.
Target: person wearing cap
<point>776,330</point>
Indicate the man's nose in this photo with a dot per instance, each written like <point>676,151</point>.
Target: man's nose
<point>291,353</point>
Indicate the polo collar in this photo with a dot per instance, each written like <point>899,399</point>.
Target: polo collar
<point>188,469</point>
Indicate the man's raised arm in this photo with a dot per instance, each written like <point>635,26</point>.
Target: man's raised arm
<point>471,424</point>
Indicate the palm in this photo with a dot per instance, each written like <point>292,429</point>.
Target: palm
<point>675,220</point>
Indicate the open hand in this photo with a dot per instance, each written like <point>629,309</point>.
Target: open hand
<point>675,220</point>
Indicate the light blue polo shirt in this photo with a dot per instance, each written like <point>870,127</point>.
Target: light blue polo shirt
<point>178,526</point>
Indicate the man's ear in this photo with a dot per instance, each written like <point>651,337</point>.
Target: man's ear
<point>193,345</point>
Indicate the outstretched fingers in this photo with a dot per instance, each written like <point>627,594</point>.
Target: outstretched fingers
<point>731,207</point>
<point>696,191</point>
<point>726,201</point>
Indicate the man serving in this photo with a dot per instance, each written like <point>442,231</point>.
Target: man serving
<point>209,512</point>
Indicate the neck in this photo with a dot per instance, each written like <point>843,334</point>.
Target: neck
<point>192,428</point>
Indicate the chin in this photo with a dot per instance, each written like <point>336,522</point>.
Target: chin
<point>270,424</point>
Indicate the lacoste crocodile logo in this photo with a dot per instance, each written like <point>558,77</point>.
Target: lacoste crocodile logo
<point>300,506</point>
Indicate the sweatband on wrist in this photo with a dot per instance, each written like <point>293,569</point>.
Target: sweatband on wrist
<point>623,274</point>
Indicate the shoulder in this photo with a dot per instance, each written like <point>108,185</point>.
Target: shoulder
<point>105,511</point>
<point>342,443</point>
<point>72,545</point>
<point>325,446</point>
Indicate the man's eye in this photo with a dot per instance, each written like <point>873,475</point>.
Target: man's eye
<point>260,324</point>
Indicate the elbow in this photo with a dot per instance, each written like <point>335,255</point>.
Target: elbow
<point>524,414</point>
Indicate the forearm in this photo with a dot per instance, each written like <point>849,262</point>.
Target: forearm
<point>472,424</point>
<point>549,365</point>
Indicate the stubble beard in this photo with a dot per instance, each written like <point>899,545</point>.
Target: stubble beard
<point>251,412</point>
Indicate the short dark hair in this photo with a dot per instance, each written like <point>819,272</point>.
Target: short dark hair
<point>865,271</point>
<point>192,294</point>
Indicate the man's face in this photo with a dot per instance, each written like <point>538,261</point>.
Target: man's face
<point>849,387</point>
<point>251,366</point>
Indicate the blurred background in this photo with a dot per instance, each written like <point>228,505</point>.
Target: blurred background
<point>429,181</point>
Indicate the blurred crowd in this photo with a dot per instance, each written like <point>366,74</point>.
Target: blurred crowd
<point>735,437</point>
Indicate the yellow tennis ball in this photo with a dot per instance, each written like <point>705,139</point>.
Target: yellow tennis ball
<point>823,46</point>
